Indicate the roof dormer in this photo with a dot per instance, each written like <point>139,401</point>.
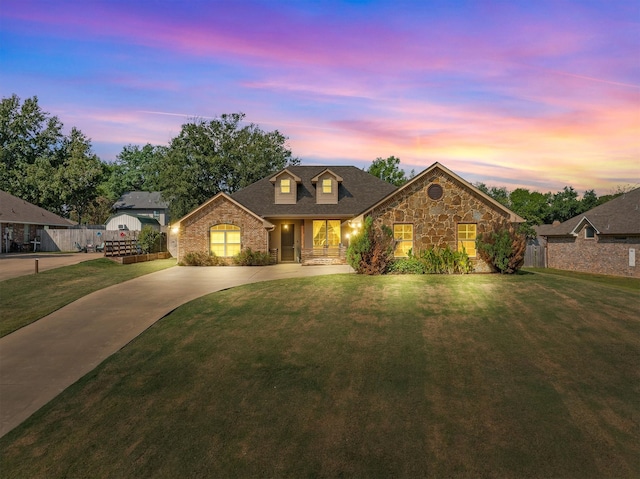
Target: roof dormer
<point>285,187</point>
<point>327,184</point>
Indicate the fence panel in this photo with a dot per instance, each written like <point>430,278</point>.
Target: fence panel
<point>69,239</point>
<point>535,256</point>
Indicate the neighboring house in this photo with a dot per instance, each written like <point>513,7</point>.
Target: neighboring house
<point>129,222</point>
<point>308,214</point>
<point>603,240</point>
<point>20,220</point>
<point>144,203</point>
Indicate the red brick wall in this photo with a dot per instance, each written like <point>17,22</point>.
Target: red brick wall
<point>435,222</point>
<point>601,255</point>
<point>194,231</point>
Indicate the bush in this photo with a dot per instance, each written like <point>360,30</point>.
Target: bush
<point>503,249</point>
<point>371,250</point>
<point>150,240</point>
<point>248,257</point>
<point>410,265</point>
<point>201,258</point>
<point>434,261</point>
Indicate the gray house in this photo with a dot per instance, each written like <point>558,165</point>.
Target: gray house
<point>143,203</point>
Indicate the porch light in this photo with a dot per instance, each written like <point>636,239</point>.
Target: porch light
<point>175,229</point>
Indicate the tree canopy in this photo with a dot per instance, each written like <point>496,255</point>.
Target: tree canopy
<point>388,169</point>
<point>208,157</point>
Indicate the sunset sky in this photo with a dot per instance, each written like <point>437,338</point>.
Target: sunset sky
<point>539,94</point>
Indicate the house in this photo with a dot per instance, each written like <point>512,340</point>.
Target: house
<point>130,222</point>
<point>603,240</point>
<point>143,203</point>
<point>20,220</point>
<point>308,213</point>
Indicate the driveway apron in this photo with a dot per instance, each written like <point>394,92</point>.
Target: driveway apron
<point>39,361</point>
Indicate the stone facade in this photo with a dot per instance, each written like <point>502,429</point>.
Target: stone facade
<point>435,221</point>
<point>193,235</point>
<point>601,254</point>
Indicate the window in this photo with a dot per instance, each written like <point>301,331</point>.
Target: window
<point>326,233</point>
<point>403,234</point>
<point>589,232</point>
<point>225,240</point>
<point>326,185</point>
<point>285,186</point>
<point>467,238</point>
<point>435,191</point>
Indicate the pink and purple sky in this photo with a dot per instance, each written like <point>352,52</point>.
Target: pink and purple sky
<point>538,94</point>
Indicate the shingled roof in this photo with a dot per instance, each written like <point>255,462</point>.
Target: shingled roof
<point>17,210</point>
<point>147,200</point>
<point>619,216</point>
<point>357,191</point>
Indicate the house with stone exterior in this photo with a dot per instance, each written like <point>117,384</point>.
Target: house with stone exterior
<point>603,240</point>
<point>307,214</point>
<point>20,221</point>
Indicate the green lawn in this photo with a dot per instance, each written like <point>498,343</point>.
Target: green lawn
<point>351,376</point>
<point>28,298</point>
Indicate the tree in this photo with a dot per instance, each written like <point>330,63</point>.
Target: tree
<point>77,180</point>
<point>27,135</point>
<point>135,169</point>
<point>208,157</point>
<point>564,205</point>
<point>388,169</point>
<point>589,200</point>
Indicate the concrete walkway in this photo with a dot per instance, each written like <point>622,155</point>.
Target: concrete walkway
<point>42,359</point>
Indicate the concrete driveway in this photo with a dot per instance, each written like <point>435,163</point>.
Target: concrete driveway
<point>21,264</point>
<point>42,359</point>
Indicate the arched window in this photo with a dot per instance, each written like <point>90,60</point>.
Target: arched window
<point>224,240</point>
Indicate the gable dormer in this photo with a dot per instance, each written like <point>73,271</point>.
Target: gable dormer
<point>285,187</point>
<point>327,184</point>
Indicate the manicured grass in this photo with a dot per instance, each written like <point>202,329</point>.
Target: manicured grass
<point>28,298</point>
<point>350,376</point>
<point>619,281</point>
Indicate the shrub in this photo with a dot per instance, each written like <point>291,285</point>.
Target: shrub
<point>434,260</point>
<point>502,248</point>
<point>371,251</point>
<point>411,265</point>
<point>248,257</point>
<point>150,240</point>
<point>201,258</point>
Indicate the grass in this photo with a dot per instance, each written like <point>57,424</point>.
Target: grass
<point>350,376</point>
<point>26,299</point>
<point>618,281</point>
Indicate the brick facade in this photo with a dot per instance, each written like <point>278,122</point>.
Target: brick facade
<point>601,255</point>
<point>193,235</point>
<point>435,221</point>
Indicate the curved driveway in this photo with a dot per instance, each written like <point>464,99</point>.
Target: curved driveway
<point>42,359</point>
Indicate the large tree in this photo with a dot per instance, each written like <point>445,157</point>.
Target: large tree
<point>135,169</point>
<point>28,135</point>
<point>208,157</point>
<point>388,169</point>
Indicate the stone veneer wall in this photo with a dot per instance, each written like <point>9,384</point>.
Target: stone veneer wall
<point>194,231</point>
<point>601,255</point>
<point>435,222</point>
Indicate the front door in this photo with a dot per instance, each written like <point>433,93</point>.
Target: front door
<point>287,243</point>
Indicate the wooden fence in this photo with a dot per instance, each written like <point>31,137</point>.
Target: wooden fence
<point>69,239</point>
<point>535,256</point>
